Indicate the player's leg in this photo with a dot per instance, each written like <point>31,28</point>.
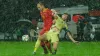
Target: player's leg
<point>55,46</point>
<point>37,44</point>
<point>40,41</point>
<point>44,47</point>
<point>43,43</point>
<point>71,37</point>
<point>47,42</point>
<point>55,41</point>
<point>48,45</point>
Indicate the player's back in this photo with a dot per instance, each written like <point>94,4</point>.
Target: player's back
<point>46,15</point>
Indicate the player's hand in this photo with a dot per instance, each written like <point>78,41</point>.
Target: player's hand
<point>54,21</point>
<point>76,42</point>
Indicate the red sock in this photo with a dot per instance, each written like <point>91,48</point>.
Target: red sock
<point>44,47</point>
<point>48,46</point>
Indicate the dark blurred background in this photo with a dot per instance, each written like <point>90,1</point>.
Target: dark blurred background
<point>13,10</point>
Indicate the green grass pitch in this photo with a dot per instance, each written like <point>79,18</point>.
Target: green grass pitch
<point>65,49</point>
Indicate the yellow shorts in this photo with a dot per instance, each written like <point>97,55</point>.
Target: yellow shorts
<point>52,36</point>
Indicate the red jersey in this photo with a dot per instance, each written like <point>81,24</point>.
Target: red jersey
<point>46,15</point>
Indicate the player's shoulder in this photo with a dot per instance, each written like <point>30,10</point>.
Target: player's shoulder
<point>59,18</point>
<point>47,10</point>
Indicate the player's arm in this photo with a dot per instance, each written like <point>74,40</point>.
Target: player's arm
<point>69,35</point>
<point>54,14</point>
<point>71,38</point>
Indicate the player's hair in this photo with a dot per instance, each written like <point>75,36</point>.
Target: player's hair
<point>66,13</point>
<point>42,3</point>
<point>68,17</point>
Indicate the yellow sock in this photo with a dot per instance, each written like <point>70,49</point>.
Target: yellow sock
<point>35,49</point>
<point>37,45</point>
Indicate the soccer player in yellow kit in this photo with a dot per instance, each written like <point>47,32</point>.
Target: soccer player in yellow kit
<point>52,35</point>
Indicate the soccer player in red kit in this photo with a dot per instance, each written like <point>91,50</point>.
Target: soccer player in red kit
<point>46,15</point>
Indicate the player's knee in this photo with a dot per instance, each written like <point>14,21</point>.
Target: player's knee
<point>55,44</point>
<point>41,38</point>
